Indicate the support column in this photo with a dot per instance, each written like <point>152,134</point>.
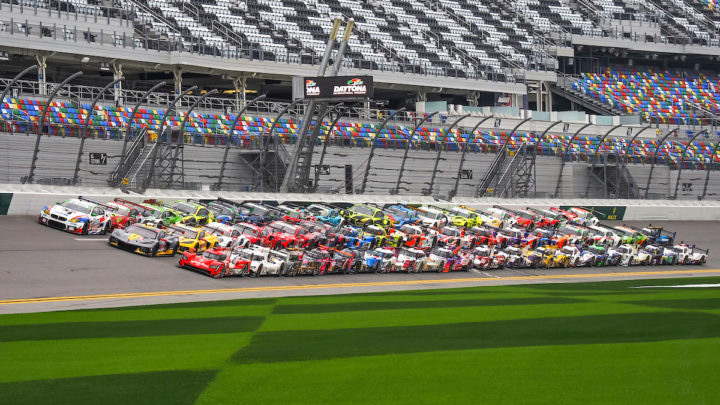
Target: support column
<point>422,96</point>
<point>117,91</point>
<point>548,93</point>
<point>240,85</point>
<point>177,79</point>
<point>42,77</point>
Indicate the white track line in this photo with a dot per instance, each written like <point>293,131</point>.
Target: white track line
<point>90,239</point>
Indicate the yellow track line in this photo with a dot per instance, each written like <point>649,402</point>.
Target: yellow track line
<point>342,285</point>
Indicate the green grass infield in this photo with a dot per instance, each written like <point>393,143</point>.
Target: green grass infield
<point>588,343</point>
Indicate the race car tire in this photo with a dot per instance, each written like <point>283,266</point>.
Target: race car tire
<point>154,251</point>
<point>106,228</point>
<point>417,267</point>
<point>441,267</point>
<point>379,269</point>
<point>174,251</point>
<point>316,272</point>
<point>281,270</point>
<point>258,272</point>
<point>85,229</point>
<point>702,261</point>
<point>536,264</point>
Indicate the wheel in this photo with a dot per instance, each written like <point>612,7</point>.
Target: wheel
<point>536,264</point>
<point>154,251</point>
<point>378,269</point>
<point>316,271</point>
<point>258,272</point>
<point>281,270</point>
<point>417,268</point>
<point>441,267</point>
<point>85,229</point>
<point>106,228</point>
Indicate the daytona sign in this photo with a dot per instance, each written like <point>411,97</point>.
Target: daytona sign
<point>339,87</point>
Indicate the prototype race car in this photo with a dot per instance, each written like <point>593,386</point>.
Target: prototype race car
<point>145,240</point>
<point>690,255</point>
<point>77,216</point>
<point>215,263</point>
<point>409,260</point>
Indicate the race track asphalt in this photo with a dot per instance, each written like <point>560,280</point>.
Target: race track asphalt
<point>43,269</point>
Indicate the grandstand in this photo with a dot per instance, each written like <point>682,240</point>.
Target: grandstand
<point>638,78</point>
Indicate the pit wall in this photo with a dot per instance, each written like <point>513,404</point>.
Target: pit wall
<point>19,199</point>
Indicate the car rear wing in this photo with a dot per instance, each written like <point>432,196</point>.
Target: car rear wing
<point>134,204</point>
<point>699,250</point>
<point>108,207</point>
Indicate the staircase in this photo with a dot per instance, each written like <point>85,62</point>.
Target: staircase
<point>517,177</point>
<point>127,161</point>
<point>141,169</point>
<point>269,167</point>
<point>490,179</point>
<point>613,178</point>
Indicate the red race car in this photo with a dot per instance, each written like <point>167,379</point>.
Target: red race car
<point>216,263</point>
<point>281,234</point>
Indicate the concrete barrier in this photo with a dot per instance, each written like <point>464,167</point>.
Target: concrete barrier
<point>25,199</point>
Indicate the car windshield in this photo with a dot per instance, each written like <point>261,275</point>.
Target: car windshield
<point>623,250</point>
<point>347,232</point>
<point>461,213</point>
<point>410,253</point>
<point>188,233</point>
<point>245,255</point>
<point>595,249</point>
<point>75,207</point>
<point>373,230</point>
<point>317,254</point>
<point>218,210</point>
<point>246,230</point>
<point>677,250</point>
<point>525,215</point>
<point>450,231</point>
<point>480,231</point>
<point>183,207</point>
<point>567,251</point>
<point>481,251</point>
<point>442,253</point>
<point>383,254</point>
<point>256,209</point>
<point>429,215</point>
<point>213,231</point>
<point>408,230</point>
<point>142,231</point>
<point>359,209</point>
<point>513,251</point>
<point>214,256</point>
<point>397,212</point>
<point>277,257</point>
<point>570,231</point>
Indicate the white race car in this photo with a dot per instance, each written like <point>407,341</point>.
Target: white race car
<point>77,216</point>
<point>579,258</point>
<point>410,260</point>
<point>690,255</point>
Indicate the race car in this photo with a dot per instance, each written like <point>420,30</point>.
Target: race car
<point>451,236</point>
<point>194,213</point>
<point>291,258</point>
<point>215,262</point>
<point>414,236</point>
<point>431,217</point>
<point>583,217</point>
<point>362,215</point>
<point>485,258</point>
<point>316,262</point>
<point>162,214</point>
<point>145,240</point>
<point>324,213</point>
<point>482,235</point>
<point>690,255</point>
<point>605,236</point>
<point>347,260</point>
<point>250,234</point>
<point>655,253</point>
<point>631,255</point>
<point>280,234</point>
<point>658,236</point>
<point>515,257</point>
<point>579,258</point>
<point>409,260</point>
<point>224,211</point>
<point>550,218</point>
<point>77,216</point>
<point>463,217</point>
<point>605,256</point>
<point>225,233</point>
<point>373,236</point>
<point>255,256</point>
<point>401,215</point>
<point>551,258</point>
<point>192,239</point>
<point>629,235</point>
<point>444,260</point>
<point>347,236</point>
<point>377,260</point>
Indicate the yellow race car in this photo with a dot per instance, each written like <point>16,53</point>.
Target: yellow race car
<point>192,239</point>
<point>552,258</point>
